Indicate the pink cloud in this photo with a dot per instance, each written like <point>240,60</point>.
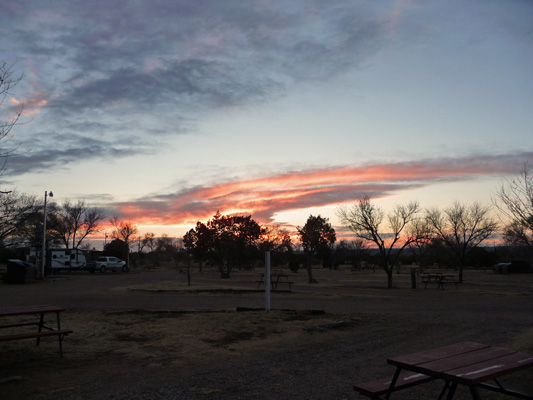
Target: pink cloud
<point>266,196</point>
<point>32,105</point>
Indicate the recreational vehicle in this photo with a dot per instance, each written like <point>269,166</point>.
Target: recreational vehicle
<point>61,259</point>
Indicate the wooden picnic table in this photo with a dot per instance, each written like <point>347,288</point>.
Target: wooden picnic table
<point>468,363</point>
<point>44,328</point>
<point>439,279</point>
<point>276,279</point>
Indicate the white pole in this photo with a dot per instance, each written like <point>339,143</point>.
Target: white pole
<point>267,281</point>
<point>43,255</point>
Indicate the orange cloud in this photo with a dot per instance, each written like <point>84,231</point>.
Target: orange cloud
<point>264,197</point>
<point>31,105</point>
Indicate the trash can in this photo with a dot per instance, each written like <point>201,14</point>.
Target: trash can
<point>16,271</point>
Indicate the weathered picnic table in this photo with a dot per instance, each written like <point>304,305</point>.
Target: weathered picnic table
<point>439,279</point>
<point>8,316</point>
<point>466,363</point>
<point>275,281</point>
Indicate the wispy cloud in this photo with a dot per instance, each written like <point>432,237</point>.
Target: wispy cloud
<point>31,105</point>
<point>175,62</point>
<point>266,196</point>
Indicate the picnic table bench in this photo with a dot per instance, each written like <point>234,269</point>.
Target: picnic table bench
<point>467,363</point>
<point>439,279</point>
<point>43,329</point>
<point>275,281</point>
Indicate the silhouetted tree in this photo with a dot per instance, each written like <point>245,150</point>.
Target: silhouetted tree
<point>234,240</point>
<point>225,240</point>
<point>74,222</point>
<point>197,241</point>
<point>7,82</point>
<point>365,219</point>
<point>149,241</point>
<point>116,248</point>
<point>125,231</point>
<point>278,241</point>
<point>514,200</point>
<point>461,228</point>
<point>21,216</point>
<point>317,237</point>
<point>350,252</point>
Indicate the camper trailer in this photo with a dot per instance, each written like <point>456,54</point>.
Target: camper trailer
<point>65,259</point>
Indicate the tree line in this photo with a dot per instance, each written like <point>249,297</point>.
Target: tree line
<point>457,231</point>
<point>229,241</point>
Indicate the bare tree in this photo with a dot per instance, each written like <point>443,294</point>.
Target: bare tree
<point>461,228</point>
<point>77,221</point>
<point>422,231</point>
<point>514,200</point>
<point>7,82</point>
<point>125,231</point>
<point>365,219</point>
<point>17,214</point>
<point>149,241</point>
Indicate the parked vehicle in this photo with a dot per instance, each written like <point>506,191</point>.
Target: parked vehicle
<point>65,259</point>
<point>102,264</point>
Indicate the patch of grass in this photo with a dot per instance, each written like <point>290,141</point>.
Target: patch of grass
<point>524,341</point>
<point>230,338</point>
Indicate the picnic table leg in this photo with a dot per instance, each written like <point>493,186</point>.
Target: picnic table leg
<point>276,284</point>
<point>451,391</point>
<point>41,323</point>
<point>444,389</point>
<point>475,393</point>
<point>59,337</point>
<point>393,382</point>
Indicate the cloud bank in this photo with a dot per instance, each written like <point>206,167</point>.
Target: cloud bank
<point>264,197</point>
<point>158,66</point>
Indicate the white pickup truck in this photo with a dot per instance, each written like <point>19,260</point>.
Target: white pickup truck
<point>105,263</point>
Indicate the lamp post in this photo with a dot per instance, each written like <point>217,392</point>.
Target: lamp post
<point>43,255</point>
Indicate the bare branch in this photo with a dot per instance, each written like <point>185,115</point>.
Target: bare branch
<point>364,219</point>
<point>514,200</point>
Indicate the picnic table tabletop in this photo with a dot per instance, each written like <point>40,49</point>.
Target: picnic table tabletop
<point>467,363</point>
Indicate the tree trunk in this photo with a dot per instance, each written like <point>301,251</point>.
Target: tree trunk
<point>309,267</point>
<point>388,270</point>
<point>389,279</point>
<point>225,271</point>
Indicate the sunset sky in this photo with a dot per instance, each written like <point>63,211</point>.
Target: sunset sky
<point>163,112</point>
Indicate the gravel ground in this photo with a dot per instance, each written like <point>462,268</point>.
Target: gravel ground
<point>148,335</point>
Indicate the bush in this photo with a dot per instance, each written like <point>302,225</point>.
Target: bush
<point>294,265</point>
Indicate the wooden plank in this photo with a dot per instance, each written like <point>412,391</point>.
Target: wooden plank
<point>32,335</point>
<point>463,360</point>
<point>16,324</point>
<point>381,386</point>
<point>37,309</point>
<point>410,360</point>
<point>489,369</point>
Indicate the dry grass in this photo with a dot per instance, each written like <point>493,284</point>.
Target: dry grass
<point>114,353</point>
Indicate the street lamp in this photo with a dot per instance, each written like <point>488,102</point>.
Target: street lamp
<point>44,234</point>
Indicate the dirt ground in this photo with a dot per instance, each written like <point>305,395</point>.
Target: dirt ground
<point>148,335</point>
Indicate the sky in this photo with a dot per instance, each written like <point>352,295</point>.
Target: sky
<point>164,112</point>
